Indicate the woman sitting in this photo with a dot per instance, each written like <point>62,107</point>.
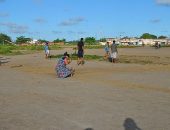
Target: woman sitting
<point>61,68</point>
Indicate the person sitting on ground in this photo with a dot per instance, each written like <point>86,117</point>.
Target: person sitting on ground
<point>61,68</point>
<point>107,53</point>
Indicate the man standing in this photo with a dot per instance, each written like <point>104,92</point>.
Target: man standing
<point>114,51</point>
<point>80,54</point>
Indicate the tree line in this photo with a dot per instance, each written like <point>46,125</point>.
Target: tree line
<point>5,39</point>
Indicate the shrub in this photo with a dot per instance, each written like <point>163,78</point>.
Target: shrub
<point>5,49</point>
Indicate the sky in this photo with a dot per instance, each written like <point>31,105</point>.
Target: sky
<point>73,19</point>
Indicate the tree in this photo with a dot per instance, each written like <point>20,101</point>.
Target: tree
<point>90,40</point>
<point>4,39</point>
<point>102,40</point>
<point>58,40</point>
<point>63,40</point>
<point>42,41</point>
<point>125,37</point>
<point>162,37</point>
<point>148,36</point>
<point>22,39</point>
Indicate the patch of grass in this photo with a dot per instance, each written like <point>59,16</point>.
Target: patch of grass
<point>55,47</point>
<point>17,49</point>
<point>74,57</point>
<point>5,49</point>
<point>93,46</point>
<point>139,59</point>
<point>101,46</point>
<point>122,59</point>
<point>30,47</point>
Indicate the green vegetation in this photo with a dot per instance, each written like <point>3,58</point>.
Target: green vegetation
<point>162,37</point>
<point>101,46</point>
<point>90,40</point>
<point>42,40</point>
<point>131,59</point>
<point>5,49</point>
<point>22,49</point>
<point>93,46</point>
<point>22,39</point>
<point>74,57</point>
<point>148,36</point>
<point>58,40</point>
<point>102,40</point>
<point>4,39</point>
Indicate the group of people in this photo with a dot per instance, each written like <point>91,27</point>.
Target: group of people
<point>62,68</point>
<point>111,52</point>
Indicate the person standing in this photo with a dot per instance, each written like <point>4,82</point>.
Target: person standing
<point>114,52</point>
<point>80,54</point>
<point>106,49</point>
<point>46,49</point>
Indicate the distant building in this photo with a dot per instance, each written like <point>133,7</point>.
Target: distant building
<point>110,40</point>
<point>135,41</point>
<point>34,41</point>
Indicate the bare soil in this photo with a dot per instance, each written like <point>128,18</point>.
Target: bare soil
<point>133,93</point>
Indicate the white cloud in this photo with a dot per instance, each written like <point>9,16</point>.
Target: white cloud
<point>40,20</point>
<point>14,28</point>
<point>163,2</point>
<point>81,32</point>
<point>155,21</point>
<point>56,32</point>
<point>72,21</point>
<point>38,1</point>
<point>2,1</point>
<point>76,33</point>
<point>2,14</point>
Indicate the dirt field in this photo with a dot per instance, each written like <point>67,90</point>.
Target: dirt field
<point>100,96</point>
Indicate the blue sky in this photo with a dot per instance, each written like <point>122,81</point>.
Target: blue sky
<point>72,19</point>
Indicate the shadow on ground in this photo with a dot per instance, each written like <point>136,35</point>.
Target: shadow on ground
<point>130,124</point>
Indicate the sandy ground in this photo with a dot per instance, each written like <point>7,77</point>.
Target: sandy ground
<point>100,96</point>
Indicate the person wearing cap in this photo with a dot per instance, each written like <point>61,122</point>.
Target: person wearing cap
<point>61,68</point>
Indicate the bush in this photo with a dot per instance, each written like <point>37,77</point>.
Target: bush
<point>5,49</point>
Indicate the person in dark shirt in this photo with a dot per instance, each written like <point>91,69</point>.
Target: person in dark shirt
<point>80,55</point>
